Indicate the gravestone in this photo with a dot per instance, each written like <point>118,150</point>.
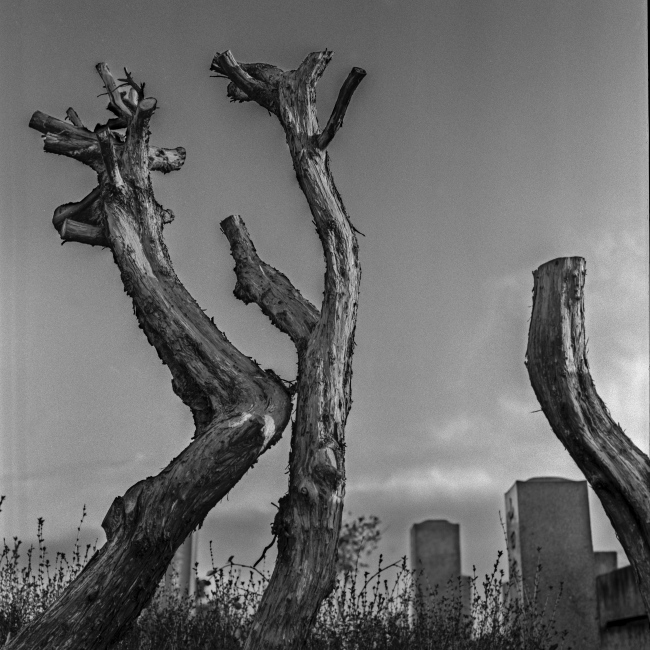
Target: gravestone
<point>180,573</point>
<point>552,515</point>
<point>605,562</point>
<point>435,558</point>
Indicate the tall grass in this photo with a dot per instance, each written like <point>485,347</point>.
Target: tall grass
<point>379,611</point>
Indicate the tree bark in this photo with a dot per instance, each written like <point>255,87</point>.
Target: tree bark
<point>239,410</point>
<point>617,470</point>
<point>308,522</point>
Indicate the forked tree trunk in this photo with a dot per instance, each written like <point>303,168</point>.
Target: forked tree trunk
<point>239,410</point>
<point>617,470</point>
<point>308,522</point>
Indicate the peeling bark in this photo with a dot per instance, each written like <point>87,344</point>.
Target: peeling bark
<point>308,522</point>
<point>239,410</point>
<point>617,470</point>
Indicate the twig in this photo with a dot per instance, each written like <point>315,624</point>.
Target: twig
<point>266,548</point>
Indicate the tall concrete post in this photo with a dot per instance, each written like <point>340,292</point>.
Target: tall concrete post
<point>435,558</point>
<point>180,573</point>
<point>552,514</point>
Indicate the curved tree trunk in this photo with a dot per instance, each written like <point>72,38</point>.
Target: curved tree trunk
<point>308,522</point>
<point>239,410</point>
<point>617,470</point>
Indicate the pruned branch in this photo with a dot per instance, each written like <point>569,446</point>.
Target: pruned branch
<point>271,290</point>
<point>111,166</point>
<point>74,118</point>
<point>136,148</point>
<point>313,66</point>
<point>81,144</point>
<point>116,101</point>
<point>556,358</point>
<point>342,102</point>
<point>84,211</point>
<point>166,160</point>
<point>250,81</point>
<point>84,233</point>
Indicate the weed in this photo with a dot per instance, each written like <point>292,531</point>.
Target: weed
<point>386,610</point>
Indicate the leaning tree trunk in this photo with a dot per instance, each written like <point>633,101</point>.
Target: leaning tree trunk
<point>617,470</point>
<point>239,410</point>
<point>308,522</point>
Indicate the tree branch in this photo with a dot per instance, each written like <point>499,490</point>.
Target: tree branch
<point>342,102</point>
<point>84,211</point>
<point>271,290</point>
<point>136,148</point>
<point>250,81</point>
<point>81,144</point>
<point>313,66</point>
<point>74,118</point>
<point>111,166</point>
<point>116,101</point>
<point>615,467</point>
<point>84,233</point>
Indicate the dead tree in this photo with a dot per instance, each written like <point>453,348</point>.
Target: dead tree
<point>556,358</point>
<point>239,410</point>
<point>308,521</point>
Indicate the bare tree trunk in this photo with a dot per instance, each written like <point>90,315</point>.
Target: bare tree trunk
<point>308,522</point>
<point>617,470</point>
<point>239,410</point>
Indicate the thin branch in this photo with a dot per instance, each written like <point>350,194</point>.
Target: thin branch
<point>138,88</point>
<point>342,102</point>
<point>111,88</point>
<point>74,118</point>
<point>271,290</point>
<point>266,548</point>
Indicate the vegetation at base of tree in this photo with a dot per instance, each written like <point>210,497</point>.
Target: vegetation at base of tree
<point>371,611</point>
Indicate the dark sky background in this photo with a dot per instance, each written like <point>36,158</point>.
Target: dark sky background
<point>489,137</point>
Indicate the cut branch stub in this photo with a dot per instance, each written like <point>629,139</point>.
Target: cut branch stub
<point>617,470</point>
<point>342,102</point>
<point>260,283</point>
<point>250,81</point>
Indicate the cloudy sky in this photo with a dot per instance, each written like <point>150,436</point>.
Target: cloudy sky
<point>489,137</point>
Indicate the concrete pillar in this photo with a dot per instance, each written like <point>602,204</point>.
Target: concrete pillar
<point>180,573</point>
<point>435,558</point>
<point>552,514</point>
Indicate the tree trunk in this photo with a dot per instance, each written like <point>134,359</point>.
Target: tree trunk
<point>239,410</point>
<point>308,522</point>
<point>617,470</point>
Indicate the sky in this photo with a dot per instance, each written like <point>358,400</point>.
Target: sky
<point>489,137</point>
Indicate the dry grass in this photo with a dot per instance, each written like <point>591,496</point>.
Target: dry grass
<point>382,611</point>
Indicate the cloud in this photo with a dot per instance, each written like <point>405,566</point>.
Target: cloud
<point>457,481</point>
<point>616,306</point>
